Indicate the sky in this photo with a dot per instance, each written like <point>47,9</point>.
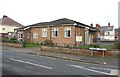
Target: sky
<point>29,12</point>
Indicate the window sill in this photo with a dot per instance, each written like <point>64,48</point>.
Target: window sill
<point>54,37</point>
<point>44,37</point>
<point>67,37</point>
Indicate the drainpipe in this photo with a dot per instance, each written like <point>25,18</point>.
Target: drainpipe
<point>50,32</point>
<point>75,37</point>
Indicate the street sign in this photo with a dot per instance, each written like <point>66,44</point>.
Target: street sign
<point>99,49</point>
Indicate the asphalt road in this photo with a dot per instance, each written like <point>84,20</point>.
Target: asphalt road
<point>16,63</point>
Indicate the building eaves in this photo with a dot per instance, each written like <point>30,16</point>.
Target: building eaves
<point>22,28</point>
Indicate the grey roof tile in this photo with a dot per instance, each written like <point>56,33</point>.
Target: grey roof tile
<point>106,28</point>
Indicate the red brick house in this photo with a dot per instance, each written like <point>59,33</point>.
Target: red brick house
<point>62,32</point>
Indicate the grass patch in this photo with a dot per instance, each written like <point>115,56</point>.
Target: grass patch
<point>32,45</point>
<point>108,47</point>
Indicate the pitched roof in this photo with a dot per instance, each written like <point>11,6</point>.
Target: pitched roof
<point>59,22</point>
<point>10,22</point>
<point>106,28</point>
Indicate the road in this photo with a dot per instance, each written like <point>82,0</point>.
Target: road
<point>16,63</point>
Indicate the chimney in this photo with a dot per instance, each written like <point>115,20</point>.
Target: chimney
<point>97,26</point>
<point>4,16</point>
<point>91,25</point>
<point>109,24</point>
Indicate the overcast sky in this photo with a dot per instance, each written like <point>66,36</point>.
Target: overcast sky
<point>29,12</point>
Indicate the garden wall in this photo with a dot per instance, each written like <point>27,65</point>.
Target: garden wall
<point>18,45</point>
<point>85,52</point>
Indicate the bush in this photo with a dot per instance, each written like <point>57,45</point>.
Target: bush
<point>14,41</point>
<point>5,40</point>
<point>13,38</point>
<point>94,45</point>
<point>117,45</point>
<point>48,42</point>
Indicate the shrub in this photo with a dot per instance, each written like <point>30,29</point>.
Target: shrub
<point>5,40</point>
<point>13,38</point>
<point>117,45</point>
<point>94,45</point>
<point>48,42</point>
<point>14,41</point>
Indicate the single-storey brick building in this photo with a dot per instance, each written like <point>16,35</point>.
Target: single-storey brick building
<point>62,32</point>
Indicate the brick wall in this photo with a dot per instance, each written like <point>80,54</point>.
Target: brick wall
<point>60,39</point>
<point>63,40</point>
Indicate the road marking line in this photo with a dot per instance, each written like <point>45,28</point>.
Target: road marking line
<point>113,72</point>
<point>30,63</point>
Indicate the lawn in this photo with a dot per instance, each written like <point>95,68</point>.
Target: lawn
<point>32,45</point>
<point>108,47</point>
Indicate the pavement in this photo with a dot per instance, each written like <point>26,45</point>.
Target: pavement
<point>112,61</point>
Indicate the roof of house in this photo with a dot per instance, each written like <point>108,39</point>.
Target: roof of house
<point>106,28</point>
<point>10,22</point>
<point>59,22</point>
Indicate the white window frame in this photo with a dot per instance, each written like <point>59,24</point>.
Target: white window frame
<point>54,32</point>
<point>28,35</point>
<point>35,35</point>
<point>44,32</point>
<point>66,29</point>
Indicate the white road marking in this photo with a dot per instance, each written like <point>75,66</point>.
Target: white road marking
<point>30,63</point>
<point>113,72</point>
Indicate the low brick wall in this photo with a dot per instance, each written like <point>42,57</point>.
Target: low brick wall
<point>18,45</point>
<point>78,51</point>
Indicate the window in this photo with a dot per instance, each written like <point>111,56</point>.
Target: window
<point>35,35</point>
<point>54,32</point>
<point>28,35</point>
<point>3,28</point>
<point>108,33</point>
<point>44,32</point>
<point>67,32</point>
<point>20,35</point>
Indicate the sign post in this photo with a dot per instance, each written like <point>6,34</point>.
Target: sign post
<point>98,49</point>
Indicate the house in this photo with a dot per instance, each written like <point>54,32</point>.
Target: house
<point>7,26</point>
<point>107,34</point>
<point>62,32</point>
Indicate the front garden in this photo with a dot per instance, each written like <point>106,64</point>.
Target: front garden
<point>50,46</point>
<point>13,42</point>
